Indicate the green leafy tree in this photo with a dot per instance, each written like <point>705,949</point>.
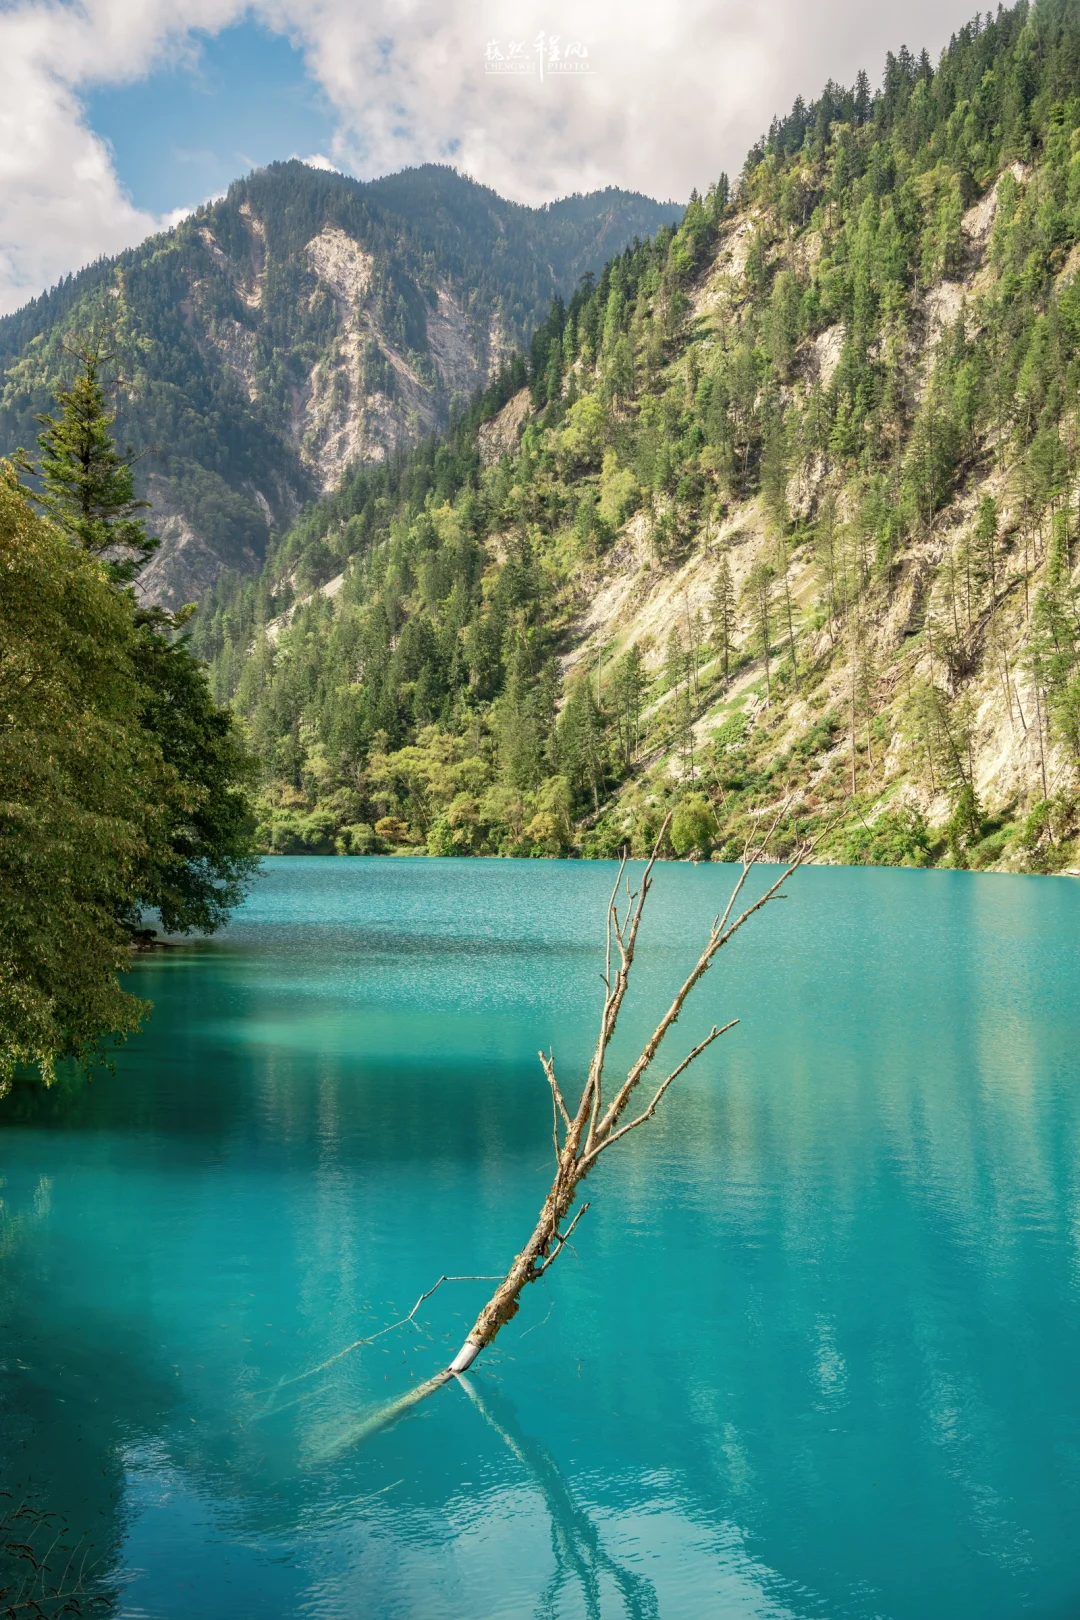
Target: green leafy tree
<point>202,872</point>
<point>80,795</point>
<point>194,881</point>
<point>693,825</point>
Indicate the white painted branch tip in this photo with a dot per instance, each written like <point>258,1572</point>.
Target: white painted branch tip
<point>465,1357</point>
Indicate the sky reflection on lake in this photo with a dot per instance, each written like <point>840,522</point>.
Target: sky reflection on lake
<point>815,1351</point>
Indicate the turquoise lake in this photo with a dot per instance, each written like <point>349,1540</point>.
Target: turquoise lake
<point>816,1351</point>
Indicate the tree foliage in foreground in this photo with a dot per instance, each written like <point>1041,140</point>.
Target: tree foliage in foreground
<point>123,782</point>
<point>87,488</point>
<point>80,791</point>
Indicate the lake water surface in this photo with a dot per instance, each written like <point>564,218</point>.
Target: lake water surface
<point>817,1352</point>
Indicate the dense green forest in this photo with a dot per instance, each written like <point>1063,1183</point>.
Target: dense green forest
<point>244,359</point>
<point>833,415</point>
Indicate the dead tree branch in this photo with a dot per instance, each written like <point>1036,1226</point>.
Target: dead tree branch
<point>42,1575</point>
<point>358,1344</point>
<point>597,1122</point>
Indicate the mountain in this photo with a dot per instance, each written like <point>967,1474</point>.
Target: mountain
<point>305,322</point>
<point>778,532</point>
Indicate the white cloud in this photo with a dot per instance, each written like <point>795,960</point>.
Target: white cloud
<point>677,93</point>
<point>318,160</point>
<point>165,222</point>
<point>61,203</point>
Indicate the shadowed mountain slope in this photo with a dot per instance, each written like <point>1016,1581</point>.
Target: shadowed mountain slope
<point>303,323</point>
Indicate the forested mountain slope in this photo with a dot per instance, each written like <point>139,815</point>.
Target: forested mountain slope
<point>784,526</point>
<point>304,322</point>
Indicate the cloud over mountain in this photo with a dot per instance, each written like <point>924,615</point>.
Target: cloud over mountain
<point>674,94</point>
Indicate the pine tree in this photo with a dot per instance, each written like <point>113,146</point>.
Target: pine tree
<point>722,615</point>
<point>986,541</point>
<point>758,591</point>
<point>88,487</point>
<point>827,562</point>
<point>578,742</point>
<point>676,663</point>
<point>197,874</point>
<point>782,564</point>
<point>697,642</point>
<point>628,690</point>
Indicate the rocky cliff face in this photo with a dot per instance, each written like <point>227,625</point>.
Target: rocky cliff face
<point>909,665</point>
<point>783,533</point>
<point>303,324</point>
<point>364,397</point>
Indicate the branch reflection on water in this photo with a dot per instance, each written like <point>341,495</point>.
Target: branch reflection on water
<point>575,1541</point>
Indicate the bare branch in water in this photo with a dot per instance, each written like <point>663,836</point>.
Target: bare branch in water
<point>561,1238</point>
<point>358,1344</point>
<point>648,1113</point>
<point>42,1575</point>
<point>597,1122</point>
<point>558,1102</point>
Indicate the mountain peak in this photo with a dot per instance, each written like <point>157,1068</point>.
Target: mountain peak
<point>303,322</point>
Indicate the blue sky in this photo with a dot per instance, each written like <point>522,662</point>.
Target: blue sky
<point>119,115</point>
<point>236,101</point>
